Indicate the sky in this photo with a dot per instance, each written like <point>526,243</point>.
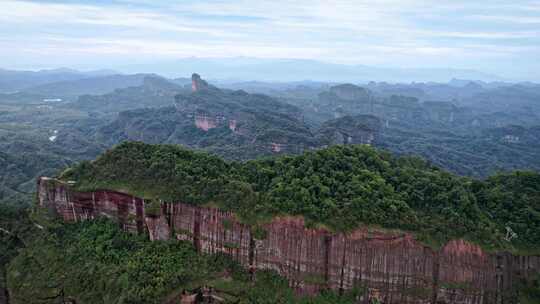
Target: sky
<point>498,37</point>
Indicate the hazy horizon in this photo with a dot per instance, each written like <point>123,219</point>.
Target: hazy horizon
<point>498,38</point>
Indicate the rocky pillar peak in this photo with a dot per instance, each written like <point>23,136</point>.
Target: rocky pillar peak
<point>197,83</point>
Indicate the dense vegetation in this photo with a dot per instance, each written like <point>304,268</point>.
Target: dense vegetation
<point>100,264</point>
<point>475,135</point>
<point>15,228</point>
<point>530,291</point>
<point>476,155</point>
<point>27,151</point>
<point>95,262</point>
<point>339,187</point>
<point>513,199</point>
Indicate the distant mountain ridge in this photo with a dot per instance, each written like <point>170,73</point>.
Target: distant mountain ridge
<point>11,80</point>
<point>93,85</point>
<point>148,90</point>
<point>241,68</point>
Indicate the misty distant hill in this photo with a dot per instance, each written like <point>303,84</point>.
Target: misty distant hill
<point>94,85</point>
<point>11,81</point>
<point>242,68</point>
<point>148,91</point>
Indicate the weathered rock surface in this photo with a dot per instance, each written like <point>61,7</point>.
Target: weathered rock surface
<point>392,266</point>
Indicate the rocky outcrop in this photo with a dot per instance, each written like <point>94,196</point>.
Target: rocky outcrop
<point>197,83</point>
<point>247,123</point>
<point>392,267</point>
<point>205,122</point>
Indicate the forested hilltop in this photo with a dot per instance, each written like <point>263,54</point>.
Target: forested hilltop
<point>340,187</point>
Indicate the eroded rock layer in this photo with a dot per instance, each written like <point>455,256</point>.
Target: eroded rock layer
<point>390,266</point>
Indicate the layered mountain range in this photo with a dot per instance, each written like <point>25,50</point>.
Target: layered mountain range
<point>470,128</point>
<point>234,124</point>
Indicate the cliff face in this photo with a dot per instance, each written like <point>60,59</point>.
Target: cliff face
<point>391,266</point>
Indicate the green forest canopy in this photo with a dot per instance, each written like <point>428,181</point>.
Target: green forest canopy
<point>340,187</point>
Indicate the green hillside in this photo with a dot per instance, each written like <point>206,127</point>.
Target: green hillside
<point>340,187</point>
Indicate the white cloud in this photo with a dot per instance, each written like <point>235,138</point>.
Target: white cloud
<point>109,46</point>
<point>360,31</point>
<point>489,35</point>
<point>508,19</point>
<point>57,14</point>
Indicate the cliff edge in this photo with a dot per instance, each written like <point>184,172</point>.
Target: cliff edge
<point>392,267</point>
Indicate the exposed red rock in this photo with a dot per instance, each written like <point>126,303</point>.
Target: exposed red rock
<point>204,122</point>
<point>393,267</point>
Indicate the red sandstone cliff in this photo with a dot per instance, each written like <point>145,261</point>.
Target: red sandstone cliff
<point>392,267</point>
